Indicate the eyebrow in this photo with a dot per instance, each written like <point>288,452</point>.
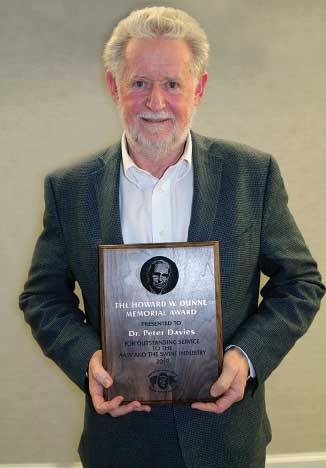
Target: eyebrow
<point>143,77</point>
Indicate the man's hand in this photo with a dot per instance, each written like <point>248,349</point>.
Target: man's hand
<point>99,378</point>
<point>230,386</point>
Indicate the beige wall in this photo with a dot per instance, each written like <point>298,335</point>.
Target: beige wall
<point>266,88</point>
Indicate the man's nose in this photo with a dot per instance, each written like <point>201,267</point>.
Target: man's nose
<point>155,99</point>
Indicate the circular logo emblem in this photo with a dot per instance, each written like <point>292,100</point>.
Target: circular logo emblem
<point>162,381</point>
<point>159,275</point>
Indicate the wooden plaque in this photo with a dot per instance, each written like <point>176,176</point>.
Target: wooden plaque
<point>161,320</point>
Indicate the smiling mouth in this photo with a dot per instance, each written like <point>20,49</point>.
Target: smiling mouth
<point>155,121</point>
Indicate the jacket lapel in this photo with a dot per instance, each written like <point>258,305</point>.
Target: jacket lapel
<point>107,192</point>
<point>207,166</point>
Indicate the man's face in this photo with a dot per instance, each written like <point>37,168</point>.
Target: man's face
<point>157,92</point>
<point>160,275</point>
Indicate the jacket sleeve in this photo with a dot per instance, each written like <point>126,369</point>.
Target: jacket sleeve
<point>50,305</point>
<point>292,294</point>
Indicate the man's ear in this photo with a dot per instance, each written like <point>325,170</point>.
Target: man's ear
<point>200,88</point>
<point>112,85</point>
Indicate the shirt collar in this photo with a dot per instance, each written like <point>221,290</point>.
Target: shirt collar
<point>130,168</point>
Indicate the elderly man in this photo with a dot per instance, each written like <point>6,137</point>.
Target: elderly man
<point>164,183</point>
<point>159,275</point>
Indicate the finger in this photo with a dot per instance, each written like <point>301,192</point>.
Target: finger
<point>125,409</point>
<point>95,388</point>
<point>208,407</point>
<point>233,395</point>
<point>226,401</point>
<point>97,371</point>
<point>114,409</point>
<point>145,408</point>
<point>218,407</point>
<point>103,378</point>
<point>102,407</point>
<point>224,382</point>
<point>221,405</point>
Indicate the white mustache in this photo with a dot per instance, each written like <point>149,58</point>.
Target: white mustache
<point>155,115</point>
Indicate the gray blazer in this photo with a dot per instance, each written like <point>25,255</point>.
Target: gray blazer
<point>240,200</point>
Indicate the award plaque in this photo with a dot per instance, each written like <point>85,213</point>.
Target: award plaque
<point>161,320</point>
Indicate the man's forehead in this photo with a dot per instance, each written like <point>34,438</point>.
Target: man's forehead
<point>148,55</point>
<point>161,267</point>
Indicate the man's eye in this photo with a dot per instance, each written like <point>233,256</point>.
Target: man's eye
<point>139,84</point>
<point>173,84</point>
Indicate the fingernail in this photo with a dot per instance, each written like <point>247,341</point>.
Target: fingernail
<point>107,382</point>
<point>213,393</point>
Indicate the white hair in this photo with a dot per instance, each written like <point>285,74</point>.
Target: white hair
<point>149,23</point>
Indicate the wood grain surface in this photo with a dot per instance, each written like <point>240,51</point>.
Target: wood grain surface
<point>161,347</point>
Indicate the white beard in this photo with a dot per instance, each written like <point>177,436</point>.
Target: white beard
<point>149,146</point>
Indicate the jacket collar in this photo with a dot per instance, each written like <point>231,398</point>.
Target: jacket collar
<point>207,182</point>
<point>107,191</point>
